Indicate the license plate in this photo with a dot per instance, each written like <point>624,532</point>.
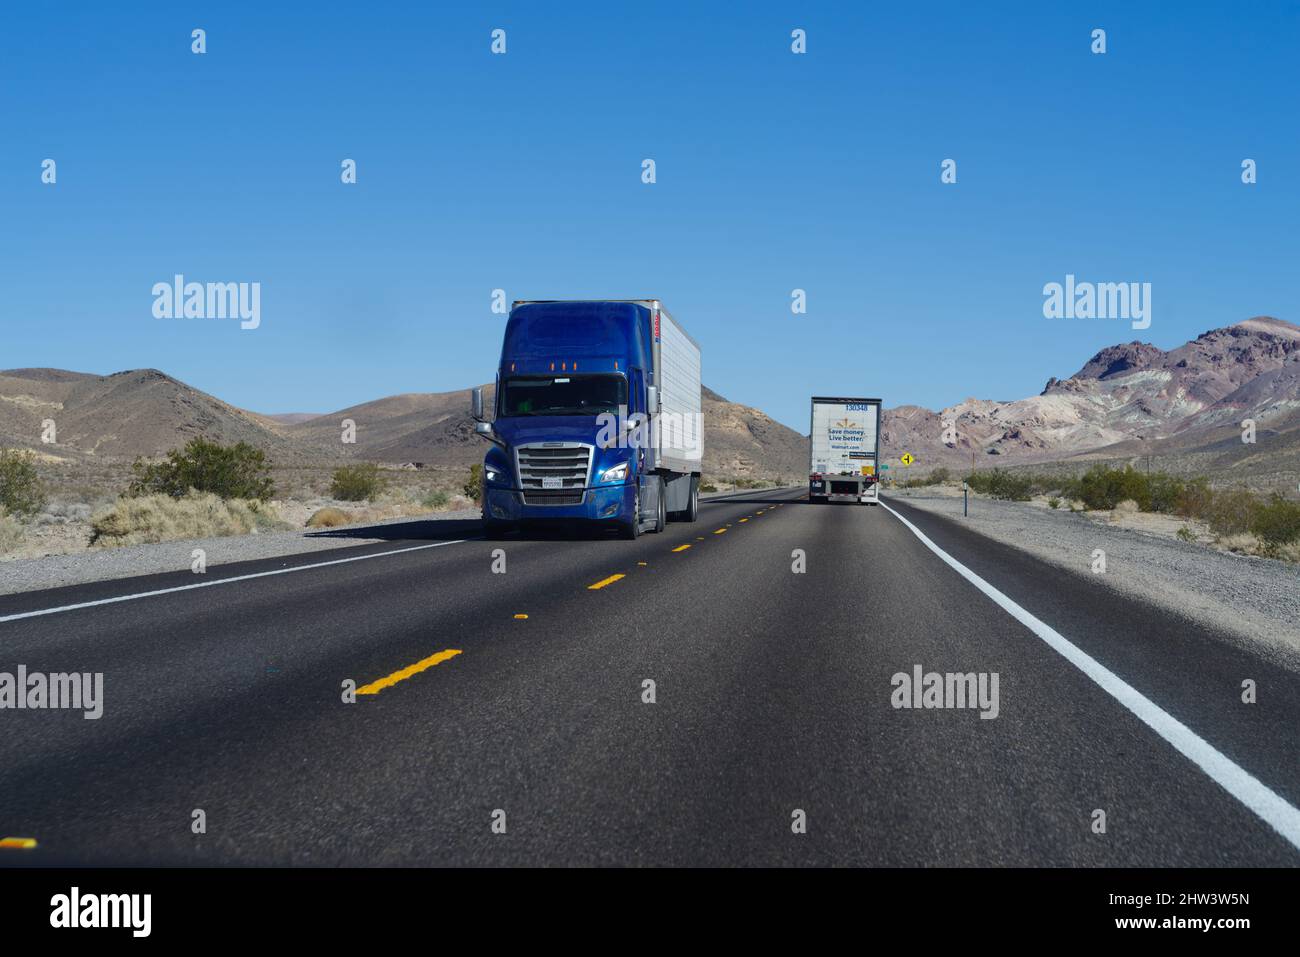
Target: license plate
<point>550,482</point>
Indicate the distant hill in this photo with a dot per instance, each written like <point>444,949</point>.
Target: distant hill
<point>146,413</point>
<point>1133,399</point>
<point>141,412</point>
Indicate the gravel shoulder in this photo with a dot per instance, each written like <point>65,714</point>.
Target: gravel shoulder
<point>1251,600</point>
<point>107,564</point>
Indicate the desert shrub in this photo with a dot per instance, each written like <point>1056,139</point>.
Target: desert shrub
<point>933,477</point>
<point>21,489</point>
<point>146,519</point>
<point>1053,503</point>
<point>1102,487</point>
<point>328,518</point>
<point>1002,484</point>
<point>1186,534</point>
<point>436,498</point>
<point>1231,511</point>
<point>1276,522</point>
<point>237,471</point>
<point>1166,492</point>
<point>357,483</point>
<point>708,487</point>
<point>473,486</point>
<point>11,532</point>
<point>1195,498</point>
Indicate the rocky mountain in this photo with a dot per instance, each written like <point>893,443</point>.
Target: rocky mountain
<point>1128,399</point>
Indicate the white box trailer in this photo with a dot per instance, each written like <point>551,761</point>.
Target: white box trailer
<point>678,436</point>
<point>844,450</point>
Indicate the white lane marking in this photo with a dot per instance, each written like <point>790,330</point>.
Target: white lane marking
<point>1234,779</point>
<point>240,578</point>
<point>225,581</point>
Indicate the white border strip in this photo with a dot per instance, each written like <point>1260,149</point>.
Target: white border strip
<point>1234,779</point>
<point>225,581</point>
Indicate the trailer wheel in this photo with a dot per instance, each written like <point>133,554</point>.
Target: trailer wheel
<point>693,509</point>
<point>661,514</point>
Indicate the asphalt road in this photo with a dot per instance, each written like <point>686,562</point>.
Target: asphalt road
<point>772,697</point>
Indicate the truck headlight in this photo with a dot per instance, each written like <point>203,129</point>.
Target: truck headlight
<point>616,474</point>
<point>494,475</point>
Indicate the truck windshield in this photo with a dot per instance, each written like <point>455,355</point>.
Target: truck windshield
<point>563,395</point>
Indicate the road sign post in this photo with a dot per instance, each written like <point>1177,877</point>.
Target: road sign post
<point>965,489</point>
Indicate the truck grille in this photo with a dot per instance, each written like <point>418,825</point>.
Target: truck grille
<point>552,497</point>
<point>569,463</point>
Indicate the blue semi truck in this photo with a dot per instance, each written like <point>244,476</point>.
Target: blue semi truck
<point>598,418</point>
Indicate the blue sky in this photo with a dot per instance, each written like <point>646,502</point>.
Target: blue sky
<point>522,171</point>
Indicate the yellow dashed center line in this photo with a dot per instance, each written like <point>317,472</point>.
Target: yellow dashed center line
<point>681,548</point>
<point>520,617</point>
<point>603,582</point>
<point>719,531</point>
<point>744,520</point>
<point>18,843</point>
<point>377,686</point>
<point>643,563</point>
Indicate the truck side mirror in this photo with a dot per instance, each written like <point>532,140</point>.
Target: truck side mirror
<point>476,402</point>
<point>652,399</point>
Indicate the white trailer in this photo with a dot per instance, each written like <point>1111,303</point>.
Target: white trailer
<point>844,450</point>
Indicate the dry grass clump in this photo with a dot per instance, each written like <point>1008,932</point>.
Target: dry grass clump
<point>328,518</point>
<point>147,519</point>
<point>11,532</point>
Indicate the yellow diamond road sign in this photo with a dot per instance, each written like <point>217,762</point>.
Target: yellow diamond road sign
<point>906,458</point>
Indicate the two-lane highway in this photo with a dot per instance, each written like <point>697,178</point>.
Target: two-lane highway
<point>724,692</point>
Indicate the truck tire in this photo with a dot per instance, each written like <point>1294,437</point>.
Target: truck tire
<point>692,512</point>
<point>632,530</point>
<point>661,514</point>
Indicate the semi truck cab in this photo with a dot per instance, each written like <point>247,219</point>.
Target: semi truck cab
<point>597,418</point>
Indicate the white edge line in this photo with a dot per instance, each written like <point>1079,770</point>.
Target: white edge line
<point>224,581</point>
<point>1237,781</point>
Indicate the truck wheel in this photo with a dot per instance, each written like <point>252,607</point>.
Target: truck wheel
<point>693,509</point>
<point>661,515</point>
<point>631,530</point>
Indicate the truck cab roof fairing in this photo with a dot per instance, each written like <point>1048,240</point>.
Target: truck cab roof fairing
<point>554,330</point>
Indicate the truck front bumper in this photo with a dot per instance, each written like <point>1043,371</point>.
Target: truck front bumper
<point>611,503</point>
